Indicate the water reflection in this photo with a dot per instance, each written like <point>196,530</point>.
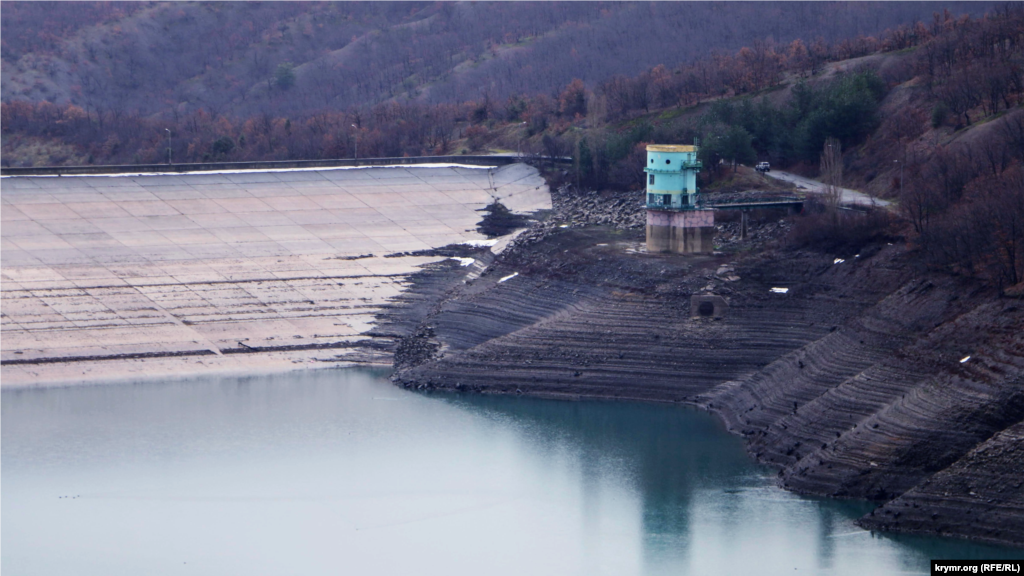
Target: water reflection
<point>339,471</point>
<point>707,507</point>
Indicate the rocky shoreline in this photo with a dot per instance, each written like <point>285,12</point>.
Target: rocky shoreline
<point>851,383</point>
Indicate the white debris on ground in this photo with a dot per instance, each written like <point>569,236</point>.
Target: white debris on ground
<point>965,359</point>
<point>779,290</point>
<point>464,261</point>
<point>509,277</point>
<point>480,243</point>
<point>727,272</point>
<point>838,261</point>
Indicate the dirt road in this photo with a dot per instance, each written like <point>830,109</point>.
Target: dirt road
<point>850,197</point>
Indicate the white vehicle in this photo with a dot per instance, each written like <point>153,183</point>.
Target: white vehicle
<point>763,167</point>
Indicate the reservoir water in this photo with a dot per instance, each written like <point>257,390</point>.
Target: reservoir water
<point>339,472</point>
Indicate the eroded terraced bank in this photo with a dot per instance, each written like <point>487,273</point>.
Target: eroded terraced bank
<point>860,379</point>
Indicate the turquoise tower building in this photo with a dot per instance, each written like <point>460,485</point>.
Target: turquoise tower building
<point>676,222</point>
<point>672,177</point>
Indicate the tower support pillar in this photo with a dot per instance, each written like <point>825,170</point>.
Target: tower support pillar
<point>681,232</point>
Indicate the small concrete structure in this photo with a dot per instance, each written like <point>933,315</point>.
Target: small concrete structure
<point>676,219</point>
<point>708,306</point>
<point>689,232</point>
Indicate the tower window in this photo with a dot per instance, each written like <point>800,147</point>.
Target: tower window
<point>650,179</point>
<point>652,160</point>
<point>668,161</point>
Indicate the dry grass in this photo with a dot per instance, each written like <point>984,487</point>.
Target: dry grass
<point>39,152</point>
<point>745,179</point>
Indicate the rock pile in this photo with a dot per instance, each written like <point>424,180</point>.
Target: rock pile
<point>618,209</point>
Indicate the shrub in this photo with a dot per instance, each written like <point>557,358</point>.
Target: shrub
<point>223,145</point>
<point>284,76</point>
<point>845,235</point>
<point>939,115</point>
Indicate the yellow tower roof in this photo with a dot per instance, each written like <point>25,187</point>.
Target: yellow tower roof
<point>670,148</point>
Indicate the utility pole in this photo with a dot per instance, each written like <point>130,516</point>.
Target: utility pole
<point>832,176</point>
<point>356,139</point>
<point>519,148</point>
<point>168,146</point>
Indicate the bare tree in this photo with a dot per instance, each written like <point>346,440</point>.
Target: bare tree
<point>1013,133</point>
<point>832,175</point>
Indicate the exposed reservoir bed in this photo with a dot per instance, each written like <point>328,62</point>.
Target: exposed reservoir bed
<point>319,472</point>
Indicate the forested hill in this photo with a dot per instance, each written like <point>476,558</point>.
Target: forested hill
<point>289,58</point>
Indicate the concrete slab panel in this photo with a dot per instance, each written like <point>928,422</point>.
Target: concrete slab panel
<point>73,226</point>
<point>148,208</point>
<point>10,213</point>
<point>218,221</point>
<point>291,203</point>
<point>90,240</point>
<point>98,208</point>
<point>169,222</point>
<point>20,228</point>
<point>240,205</point>
<point>261,219</point>
<point>39,242</point>
<point>119,224</point>
<point>192,206</point>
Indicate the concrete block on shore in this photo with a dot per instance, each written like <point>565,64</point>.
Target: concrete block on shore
<point>685,232</point>
<point>708,306</point>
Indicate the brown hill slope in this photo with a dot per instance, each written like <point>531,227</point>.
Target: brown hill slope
<point>229,57</point>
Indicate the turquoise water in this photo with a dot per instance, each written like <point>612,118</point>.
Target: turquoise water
<point>339,472</point>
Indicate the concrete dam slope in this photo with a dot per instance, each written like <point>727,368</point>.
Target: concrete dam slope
<point>850,382</point>
<point>122,276</point>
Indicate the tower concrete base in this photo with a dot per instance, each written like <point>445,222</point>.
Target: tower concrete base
<point>687,232</point>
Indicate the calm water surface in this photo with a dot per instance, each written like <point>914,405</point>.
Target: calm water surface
<point>338,472</point>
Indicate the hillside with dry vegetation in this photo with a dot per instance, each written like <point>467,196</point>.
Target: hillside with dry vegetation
<point>243,59</point>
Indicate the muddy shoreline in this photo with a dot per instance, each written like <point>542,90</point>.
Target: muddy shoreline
<point>851,384</point>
